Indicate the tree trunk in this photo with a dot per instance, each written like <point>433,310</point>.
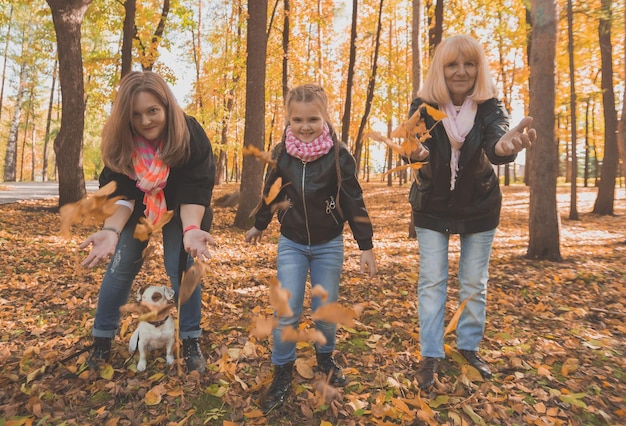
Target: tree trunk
<point>371,84</point>
<point>10,158</point>
<point>254,132</point>
<point>67,16</point>
<point>622,122</point>
<point>345,119</point>
<point>129,31</point>
<point>286,49</point>
<point>5,56</point>
<point>543,215</point>
<point>46,143</point>
<point>606,190</point>
<point>573,209</point>
<point>416,47</point>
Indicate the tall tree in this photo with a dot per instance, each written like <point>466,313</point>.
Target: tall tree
<point>67,16</point>
<point>10,158</point>
<point>606,190</point>
<point>149,51</point>
<point>286,12</point>
<point>416,46</point>
<point>128,34</point>
<point>543,215</point>
<point>254,132</point>
<point>46,143</point>
<point>371,84</point>
<point>622,121</point>
<point>345,119</point>
<point>573,209</point>
<point>5,57</point>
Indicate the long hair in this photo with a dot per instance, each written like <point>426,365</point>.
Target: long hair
<point>435,90</point>
<point>117,133</point>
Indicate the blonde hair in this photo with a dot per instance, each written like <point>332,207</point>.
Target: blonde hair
<point>308,93</point>
<point>118,134</point>
<point>435,90</point>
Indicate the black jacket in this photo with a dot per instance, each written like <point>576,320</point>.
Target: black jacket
<point>474,205</point>
<point>311,189</point>
<point>191,183</point>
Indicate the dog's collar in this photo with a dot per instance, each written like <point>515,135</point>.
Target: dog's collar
<point>159,323</point>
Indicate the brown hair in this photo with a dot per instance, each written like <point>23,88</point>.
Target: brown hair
<point>117,134</point>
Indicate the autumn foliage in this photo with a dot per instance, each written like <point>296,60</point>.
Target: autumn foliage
<point>555,332</point>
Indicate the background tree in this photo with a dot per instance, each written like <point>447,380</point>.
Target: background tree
<point>67,16</point>
<point>254,134</point>
<point>543,217</point>
<point>606,189</point>
<point>573,209</point>
<point>345,119</point>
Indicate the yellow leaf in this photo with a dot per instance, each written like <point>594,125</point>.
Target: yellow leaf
<point>274,191</point>
<point>253,414</point>
<point>153,396</point>
<point>412,166</point>
<point>263,156</point>
<point>457,315</point>
<point>435,113</point>
<point>106,372</point>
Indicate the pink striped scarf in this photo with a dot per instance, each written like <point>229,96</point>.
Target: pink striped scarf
<point>151,175</point>
<point>308,151</point>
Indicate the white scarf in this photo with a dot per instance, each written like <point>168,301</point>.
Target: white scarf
<point>458,124</point>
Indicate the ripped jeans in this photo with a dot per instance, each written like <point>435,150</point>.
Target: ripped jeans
<point>122,270</point>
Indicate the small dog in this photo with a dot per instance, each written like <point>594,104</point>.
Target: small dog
<point>154,334</point>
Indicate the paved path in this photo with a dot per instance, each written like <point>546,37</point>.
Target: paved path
<point>12,192</point>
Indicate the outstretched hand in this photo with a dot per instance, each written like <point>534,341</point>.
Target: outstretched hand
<point>195,242</point>
<point>253,235</point>
<point>517,138</point>
<point>103,245</point>
<point>368,261</point>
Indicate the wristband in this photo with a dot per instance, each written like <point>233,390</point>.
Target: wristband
<point>111,228</point>
<point>189,228</point>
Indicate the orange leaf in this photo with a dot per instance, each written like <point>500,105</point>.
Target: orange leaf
<point>279,298</point>
<point>263,156</point>
<point>191,278</point>
<point>263,327</point>
<point>436,114</point>
<point>319,291</point>
<point>414,166</point>
<point>274,191</point>
<point>457,315</point>
<point>334,312</point>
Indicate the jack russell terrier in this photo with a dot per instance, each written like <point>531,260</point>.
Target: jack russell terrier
<point>158,333</point>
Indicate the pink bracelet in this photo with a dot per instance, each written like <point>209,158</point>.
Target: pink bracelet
<point>189,228</point>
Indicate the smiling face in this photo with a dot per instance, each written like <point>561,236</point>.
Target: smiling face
<point>460,75</point>
<point>306,120</point>
<point>148,116</point>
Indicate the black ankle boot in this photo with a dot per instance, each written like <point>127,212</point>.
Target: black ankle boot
<point>193,355</point>
<point>280,388</point>
<point>327,365</point>
<point>101,351</point>
<point>426,374</point>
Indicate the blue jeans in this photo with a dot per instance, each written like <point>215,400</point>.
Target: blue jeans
<point>294,262</point>
<point>432,289</point>
<point>124,266</point>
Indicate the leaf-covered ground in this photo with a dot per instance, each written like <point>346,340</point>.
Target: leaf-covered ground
<point>555,333</point>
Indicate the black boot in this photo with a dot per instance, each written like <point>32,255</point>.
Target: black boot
<point>477,362</point>
<point>101,351</point>
<point>280,388</point>
<point>327,365</point>
<point>426,374</point>
<point>193,355</point>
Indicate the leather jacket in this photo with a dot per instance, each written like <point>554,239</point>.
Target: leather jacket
<point>310,189</point>
<point>474,205</point>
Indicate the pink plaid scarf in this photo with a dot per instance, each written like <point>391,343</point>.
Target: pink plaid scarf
<point>308,151</point>
<point>151,175</point>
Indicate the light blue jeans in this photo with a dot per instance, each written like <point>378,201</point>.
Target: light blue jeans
<point>124,266</point>
<point>294,262</point>
<point>433,285</point>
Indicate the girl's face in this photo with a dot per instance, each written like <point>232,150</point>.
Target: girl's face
<point>460,76</point>
<point>148,116</point>
<point>306,120</point>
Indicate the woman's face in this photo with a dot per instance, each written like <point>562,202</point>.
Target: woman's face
<point>148,116</point>
<point>460,76</point>
<point>306,121</point>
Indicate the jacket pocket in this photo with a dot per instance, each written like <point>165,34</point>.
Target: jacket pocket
<point>331,209</point>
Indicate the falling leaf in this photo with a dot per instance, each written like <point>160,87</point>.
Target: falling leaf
<point>274,191</point>
<point>145,228</point>
<point>413,166</point>
<point>290,334</point>
<point>263,156</point>
<point>191,277</point>
<point>335,313</point>
<point>279,298</point>
<point>304,368</point>
<point>436,114</point>
<point>457,315</point>
<point>263,326</point>
<point>319,291</point>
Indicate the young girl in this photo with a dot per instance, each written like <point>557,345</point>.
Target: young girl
<point>161,160</point>
<point>320,184</point>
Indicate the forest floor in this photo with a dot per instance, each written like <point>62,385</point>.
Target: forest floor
<point>555,332</point>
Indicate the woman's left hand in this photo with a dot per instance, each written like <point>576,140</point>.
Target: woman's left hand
<point>516,139</point>
<point>195,242</point>
<point>368,259</point>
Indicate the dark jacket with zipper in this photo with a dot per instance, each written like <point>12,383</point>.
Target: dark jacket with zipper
<point>191,183</point>
<point>310,189</point>
<point>474,204</point>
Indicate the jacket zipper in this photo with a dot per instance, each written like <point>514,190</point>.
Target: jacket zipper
<point>306,216</point>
